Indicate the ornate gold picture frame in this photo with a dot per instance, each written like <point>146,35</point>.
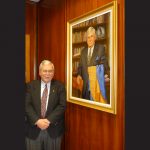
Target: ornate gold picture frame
<point>104,21</point>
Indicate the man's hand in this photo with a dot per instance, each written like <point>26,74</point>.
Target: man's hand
<point>43,123</point>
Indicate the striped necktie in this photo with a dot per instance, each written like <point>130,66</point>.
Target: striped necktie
<point>43,101</point>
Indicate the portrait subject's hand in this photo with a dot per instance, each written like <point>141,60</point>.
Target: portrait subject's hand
<point>79,78</point>
<point>43,123</point>
<point>80,82</point>
<point>107,79</point>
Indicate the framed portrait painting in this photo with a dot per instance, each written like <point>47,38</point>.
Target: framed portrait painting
<point>92,81</point>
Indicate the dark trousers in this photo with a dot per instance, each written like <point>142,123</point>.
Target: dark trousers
<point>44,142</point>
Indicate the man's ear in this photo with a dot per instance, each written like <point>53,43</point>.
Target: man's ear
<point>39,73</point>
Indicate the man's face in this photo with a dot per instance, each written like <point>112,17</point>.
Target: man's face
<point>91,39</point>
<point>46,72</point>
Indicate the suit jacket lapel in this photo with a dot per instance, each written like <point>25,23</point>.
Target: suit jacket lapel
<point>38,96</point>
<point>86,56</point>
<point>51,96</point>
<point>93,59</point>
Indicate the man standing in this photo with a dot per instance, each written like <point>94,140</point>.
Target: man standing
<point>45,104</point>
<point>91,55</point>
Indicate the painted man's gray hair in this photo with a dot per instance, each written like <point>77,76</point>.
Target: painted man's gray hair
<point>45,62</point>
<point>91,30</point>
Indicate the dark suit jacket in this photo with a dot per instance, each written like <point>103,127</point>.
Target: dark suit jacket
<point>98,57</point>
<point>55,109</point>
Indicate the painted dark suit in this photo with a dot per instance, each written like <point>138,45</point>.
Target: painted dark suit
<point>55,109</point>
<point>98,57</point>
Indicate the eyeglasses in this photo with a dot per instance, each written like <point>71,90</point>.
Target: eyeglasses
<point>48,71</point>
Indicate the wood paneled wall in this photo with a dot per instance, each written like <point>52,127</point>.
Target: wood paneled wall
<point>52,36</point>
<point>86,128</point>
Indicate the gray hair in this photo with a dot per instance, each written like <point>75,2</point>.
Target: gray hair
<point>91,30</point>
<point>45,62</point>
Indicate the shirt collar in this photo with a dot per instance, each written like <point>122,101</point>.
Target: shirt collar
<point>91,47</point>
<point>43,84</point>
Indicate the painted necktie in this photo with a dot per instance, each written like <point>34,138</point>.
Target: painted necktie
<point>89,56</point>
